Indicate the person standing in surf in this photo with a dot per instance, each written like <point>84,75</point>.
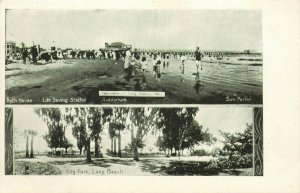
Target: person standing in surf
<point>198,55</point>
<point>167,60</point>
<point>156,66</point>
<point>183,59</point>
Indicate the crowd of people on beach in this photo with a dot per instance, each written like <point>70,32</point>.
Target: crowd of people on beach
<point>33,54</point>
<point>136,62</point>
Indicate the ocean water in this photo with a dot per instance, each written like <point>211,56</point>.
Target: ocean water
<point>241,76</point>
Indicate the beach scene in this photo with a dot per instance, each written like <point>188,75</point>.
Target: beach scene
<point>216,58</point>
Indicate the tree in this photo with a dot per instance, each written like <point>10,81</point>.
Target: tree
<point>179,130</point>
<point>168,123</point>
<point>119,117</point>
<point>246,138</point>
<point>238,142</point>
<point>186,129</point>
<point>81,141</point>
<point>32,133</point>
<point>77,118</point>
<point>26,135</point>
<point>55,137</point>
<point>237,145</point>
<point>140,121</point>
<point>193,136</point>
<point>98,119</point>
<point>86,123</point>
<point>66,144</point>
<point>112,135</point>
<point>161,144</point>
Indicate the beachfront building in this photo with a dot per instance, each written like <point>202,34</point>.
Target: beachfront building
<point>117,45</point>
<point>10,48</point>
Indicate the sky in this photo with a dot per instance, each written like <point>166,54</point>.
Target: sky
<point>234,30</point>
<point>225,119</point>
<point>216,119</point>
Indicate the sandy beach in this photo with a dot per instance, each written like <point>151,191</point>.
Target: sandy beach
<point>78,81</point>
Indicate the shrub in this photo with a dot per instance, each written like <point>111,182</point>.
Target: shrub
<point>193,168</point>
<point>235,161</point>
<point>223,162</point>
<point>58,153</point>
<point>246,161</point>
<point>173,154</point>
<point>199,152</point>
<point>213,167</point>
<point>216,152</point>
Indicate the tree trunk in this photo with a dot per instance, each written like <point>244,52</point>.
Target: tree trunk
<point>99,142</point>
<point>119,145</point>
<point>27,150</point>
<point>31,149</point>
<point>112,145</point>
<point>135,153</point>
<point>115,146</point>
<point>88,150</point>
<point>85,148</point>
<point>80,151</point>
<point>96,146</point>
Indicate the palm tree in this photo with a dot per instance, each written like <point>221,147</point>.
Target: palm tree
<point>32,133</point>
<point>112,134</point>
<point>119,118</point>
<point>26,135</point>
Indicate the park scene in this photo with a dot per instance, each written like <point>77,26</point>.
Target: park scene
<point>133,141</point>
<point>215,58</point>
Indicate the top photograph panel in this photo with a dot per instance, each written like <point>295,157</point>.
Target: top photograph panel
<point>133,57</point>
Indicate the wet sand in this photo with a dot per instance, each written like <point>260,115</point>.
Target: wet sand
<point>78,81</point>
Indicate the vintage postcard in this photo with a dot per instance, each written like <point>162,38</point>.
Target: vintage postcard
<point>149,96</point>
<point>133,56</point>
<point>137,141</point>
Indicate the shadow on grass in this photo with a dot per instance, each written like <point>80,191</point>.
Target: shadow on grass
<point>232,172</point>
<point>99,162</point>
<point>9,69</point>
<point>35,168</point>
<point>237,172</point>
<point>154,166</point>
<point>179,168</point>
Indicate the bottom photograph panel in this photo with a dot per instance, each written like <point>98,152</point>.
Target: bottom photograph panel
<point>198,141</point>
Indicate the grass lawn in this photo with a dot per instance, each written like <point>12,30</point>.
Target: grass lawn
<point>35,168</point>
<point>146,166</point>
